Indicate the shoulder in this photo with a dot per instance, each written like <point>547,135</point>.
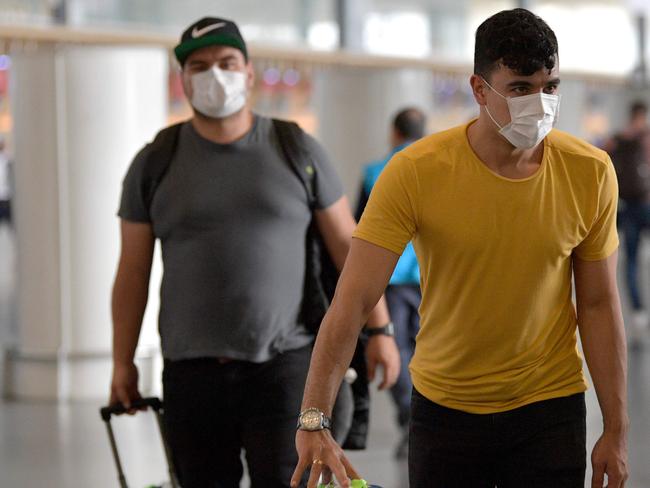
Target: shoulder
<point>141,158</point>
<point>266,124</point>
<point>276,128</point>
<point>164,141</point>
<point>433,146</point>
<point>576,151</point>
<point>435,153</point>
<point>427,156</point>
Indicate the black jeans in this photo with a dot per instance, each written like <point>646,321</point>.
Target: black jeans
<point>214,410</point>
<point>539,445</point>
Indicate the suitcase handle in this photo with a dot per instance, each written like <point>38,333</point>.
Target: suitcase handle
<point>118,409</point>
<point>157,406</point>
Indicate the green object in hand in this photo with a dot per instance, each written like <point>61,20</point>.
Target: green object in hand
<point>353,484</point>
<point>358,484</point>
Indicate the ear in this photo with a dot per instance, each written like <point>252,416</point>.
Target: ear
<point>186,80</point>
<point>479,89</point>
<point>250,75</point>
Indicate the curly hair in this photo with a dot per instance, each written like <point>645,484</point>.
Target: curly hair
<point>517,39</point>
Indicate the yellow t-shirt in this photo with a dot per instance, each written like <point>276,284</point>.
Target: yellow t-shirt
<point>498,325</point>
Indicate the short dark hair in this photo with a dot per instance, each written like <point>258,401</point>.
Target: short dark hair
<point>637,108</point>
<point>410,123</point>
<point>517,39</point>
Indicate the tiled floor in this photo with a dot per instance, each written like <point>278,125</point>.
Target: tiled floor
<point>65,445</point>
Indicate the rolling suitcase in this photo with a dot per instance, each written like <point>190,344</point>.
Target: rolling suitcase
<point>154,404</point>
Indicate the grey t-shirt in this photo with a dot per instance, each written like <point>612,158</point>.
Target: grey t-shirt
<point>232,221</point>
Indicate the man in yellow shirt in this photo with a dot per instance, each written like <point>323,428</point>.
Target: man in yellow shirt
<point>502,212</point>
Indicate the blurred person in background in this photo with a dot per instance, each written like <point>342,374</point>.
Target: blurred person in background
<point>403,292</point>
<point>232,217</point>
<point>503,212</point>
<point>630,153</point>
<point>5,185</point>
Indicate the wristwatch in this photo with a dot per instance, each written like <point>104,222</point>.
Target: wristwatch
<point>387,330</point>
<point>312,419</point>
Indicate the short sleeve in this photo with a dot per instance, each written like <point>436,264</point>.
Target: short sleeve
<point>602,239</point>
<point>329,188</point>
<point>133,206</point>
<point>391,215</point>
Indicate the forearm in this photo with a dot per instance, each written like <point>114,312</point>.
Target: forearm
<point>359,289</point>
<point>129,300</point>
<point>356,295</point>
<point>335,345</point>
<point>339,249</point>
<point>603,342</point>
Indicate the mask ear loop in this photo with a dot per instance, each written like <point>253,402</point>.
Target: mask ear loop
<point>491,88</point>
<point>486,107</point>
<point>490,115</point>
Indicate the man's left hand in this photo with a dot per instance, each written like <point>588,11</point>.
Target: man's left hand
<point>609,457</point>
<point>382,351</point>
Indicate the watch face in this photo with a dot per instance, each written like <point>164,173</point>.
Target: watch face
<point>311,420</point>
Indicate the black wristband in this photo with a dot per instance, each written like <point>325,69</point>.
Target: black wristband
<point>387,330</point>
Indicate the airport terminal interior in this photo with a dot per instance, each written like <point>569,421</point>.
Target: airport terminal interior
<point>84,84</point>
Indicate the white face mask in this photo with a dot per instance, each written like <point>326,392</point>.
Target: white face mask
<point>219,93</point>
<point>531,118</point>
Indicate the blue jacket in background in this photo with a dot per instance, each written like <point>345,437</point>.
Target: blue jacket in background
<point>406,271</point>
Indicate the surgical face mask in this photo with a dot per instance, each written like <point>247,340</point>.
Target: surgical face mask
<point>531,118</point>
<point>218,93</point>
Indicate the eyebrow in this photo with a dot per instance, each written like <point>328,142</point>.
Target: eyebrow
<point>229,57</point>
<point>512,84</point>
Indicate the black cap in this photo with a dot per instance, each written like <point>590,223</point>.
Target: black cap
<point>209,31</point>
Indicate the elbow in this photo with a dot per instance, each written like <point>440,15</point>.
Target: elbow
<point>596,303</point>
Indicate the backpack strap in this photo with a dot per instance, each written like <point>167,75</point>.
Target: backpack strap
<point>160,156</point>
<point>291,138</point>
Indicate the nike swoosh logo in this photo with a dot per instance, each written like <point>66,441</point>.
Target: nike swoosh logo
<point>199,32</point>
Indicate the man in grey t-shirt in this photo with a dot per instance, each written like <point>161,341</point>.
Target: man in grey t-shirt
<point>232,219</point>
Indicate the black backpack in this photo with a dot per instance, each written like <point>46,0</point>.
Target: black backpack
<point>321,274</point>
<point>632,168</point>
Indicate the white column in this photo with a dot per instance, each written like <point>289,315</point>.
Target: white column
<point>81,113</point>
<point>355,109</point>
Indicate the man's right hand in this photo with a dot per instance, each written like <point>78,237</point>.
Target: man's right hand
<point>124,386</point>
<point>320,453</point>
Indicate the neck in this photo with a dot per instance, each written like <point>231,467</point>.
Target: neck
<point>226,130</point>
<point>399,143</point>
<point>498,154</point>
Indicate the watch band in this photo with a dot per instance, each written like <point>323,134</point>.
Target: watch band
<point>387,330</point>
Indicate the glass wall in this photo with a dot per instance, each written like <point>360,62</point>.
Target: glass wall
<point>280,22</point>
<point>598,36</point>
<point>593,36</point>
